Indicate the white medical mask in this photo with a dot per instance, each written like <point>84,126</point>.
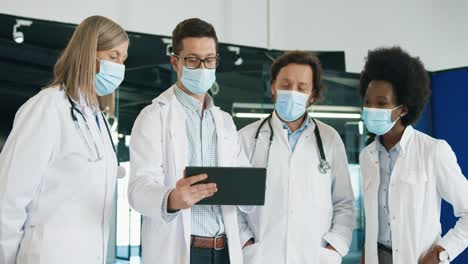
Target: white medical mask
<point>377,120</point>
<point>198,81</point>
<point>109,77</point>
<point>290,105</point>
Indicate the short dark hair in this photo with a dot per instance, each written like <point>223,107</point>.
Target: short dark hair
<point>303,58</point>
<point>407,75</point>
<point>192,27</point>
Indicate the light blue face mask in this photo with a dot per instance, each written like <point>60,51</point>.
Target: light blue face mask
<point>198,81</point>
<point>290,105</point>
<point>109,77</point>
<point>378,121</point>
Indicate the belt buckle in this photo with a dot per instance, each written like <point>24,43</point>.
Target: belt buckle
<point>216,240</point>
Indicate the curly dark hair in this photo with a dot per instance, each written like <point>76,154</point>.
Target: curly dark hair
<point>407,75</point>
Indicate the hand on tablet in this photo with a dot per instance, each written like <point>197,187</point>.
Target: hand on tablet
<point>185,195</point>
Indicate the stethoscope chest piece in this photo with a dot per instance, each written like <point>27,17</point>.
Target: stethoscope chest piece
<point>324,166</point>
<point>121,172</point>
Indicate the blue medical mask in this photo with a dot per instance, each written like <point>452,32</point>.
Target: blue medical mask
<point>378,121</point>
<point>198,81</point>
<point>109,77</point>
<point>290,105</point>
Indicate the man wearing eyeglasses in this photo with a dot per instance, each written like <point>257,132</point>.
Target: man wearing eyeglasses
<point>183,128</point>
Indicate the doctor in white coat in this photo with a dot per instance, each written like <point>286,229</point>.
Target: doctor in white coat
<point>183,128</point>
<point>58,167</point>
<point>406,173</point>
<point>308,216</point>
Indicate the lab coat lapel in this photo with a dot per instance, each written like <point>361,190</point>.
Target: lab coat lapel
<point>229,212</point>
<point>371,181</point>
<point>309,135</point>
<point>403,164</point>
<point>179,142</point>
<point>372,158</point>
<point>260,152</point>
<point>220,133</point>
<point>280,134</point>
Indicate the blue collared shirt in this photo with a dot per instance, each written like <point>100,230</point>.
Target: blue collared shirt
<point>207,220</point>
<point>293,137</point>
<point>387,161</point>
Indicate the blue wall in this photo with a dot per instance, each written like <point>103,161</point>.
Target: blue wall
<point>450,122</point>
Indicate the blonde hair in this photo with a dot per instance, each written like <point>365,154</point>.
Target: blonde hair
<point>75,70</point>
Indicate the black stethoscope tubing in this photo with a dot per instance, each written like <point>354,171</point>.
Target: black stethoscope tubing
<point>324,166</point>
<point>75,119</point>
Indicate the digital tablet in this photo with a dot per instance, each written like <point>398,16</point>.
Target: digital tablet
<point>236,186</point>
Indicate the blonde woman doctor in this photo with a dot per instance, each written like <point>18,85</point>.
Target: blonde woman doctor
<point>58,167</point>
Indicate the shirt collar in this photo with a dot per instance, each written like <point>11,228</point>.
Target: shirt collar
<point>381,147</point>
<point>190,102</point>
<point>304,125</point>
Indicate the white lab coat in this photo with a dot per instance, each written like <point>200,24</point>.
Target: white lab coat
<point>55,205</point>
<point>303,208</point>
<point>426,171</point>
<point>158,156</point>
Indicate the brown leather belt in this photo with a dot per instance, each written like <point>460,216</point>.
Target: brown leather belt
<point>216,243</point>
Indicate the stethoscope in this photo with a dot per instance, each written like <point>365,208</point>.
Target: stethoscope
<point>98,157</point>
<point>324,166</point>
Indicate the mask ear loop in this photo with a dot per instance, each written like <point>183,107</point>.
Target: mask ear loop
<point>99,65</point>
<point>400,116</point>
<point>396,107</point>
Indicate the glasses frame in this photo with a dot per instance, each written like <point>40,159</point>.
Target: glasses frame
<point>200,61</point>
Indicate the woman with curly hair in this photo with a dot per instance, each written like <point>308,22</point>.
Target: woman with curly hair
<point>406,173</point>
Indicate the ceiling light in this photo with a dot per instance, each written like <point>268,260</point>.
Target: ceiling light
<point>236,58</point>
<point>18,36</point>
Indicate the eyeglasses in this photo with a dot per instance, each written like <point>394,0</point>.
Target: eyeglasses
<point>193,63</point>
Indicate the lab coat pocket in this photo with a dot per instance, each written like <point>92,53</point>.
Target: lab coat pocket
<point>328,256</point>
<point>414,177</point>
<point>413,188</point>
<point>411,195</point>
<point>251,254</point>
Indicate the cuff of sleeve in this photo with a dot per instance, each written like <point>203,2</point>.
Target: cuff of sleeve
<point>245,236</point>
<point>337,242</point>
<point>451,245</point>
<point>248,209</point>
<point>168,217</point>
